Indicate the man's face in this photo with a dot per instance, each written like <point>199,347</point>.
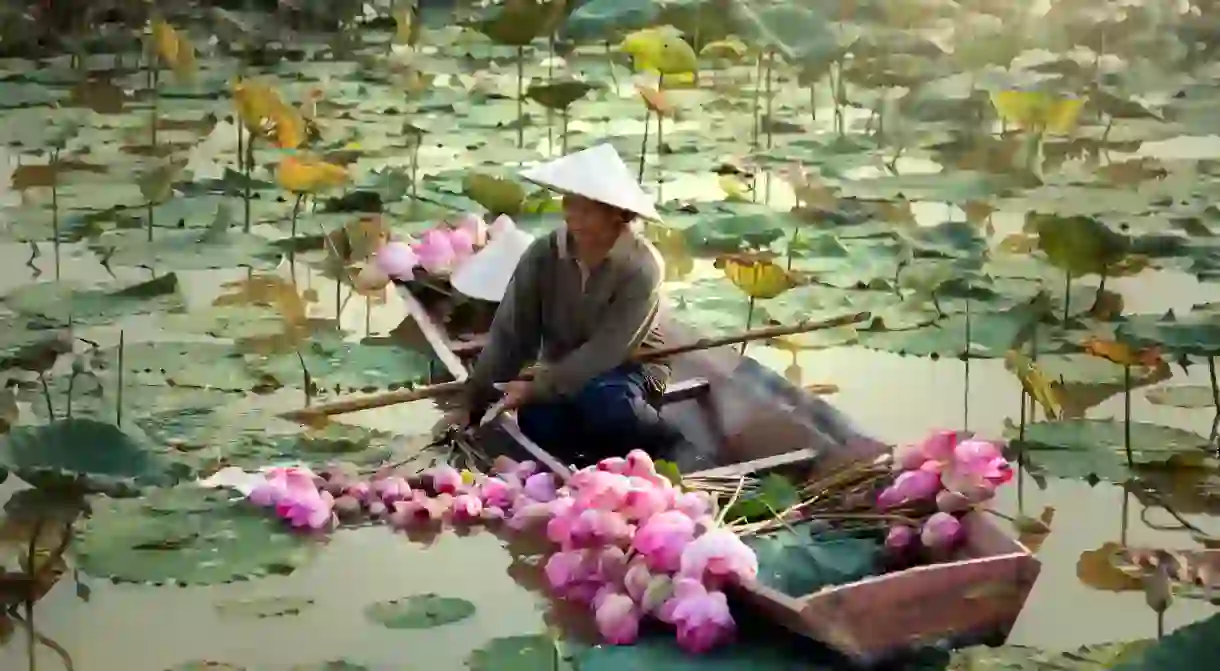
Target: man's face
<point>593,225</point>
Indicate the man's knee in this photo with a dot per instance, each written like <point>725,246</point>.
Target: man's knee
<point>610,404</point>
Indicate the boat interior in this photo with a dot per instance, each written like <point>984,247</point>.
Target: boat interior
<point>731,408</point>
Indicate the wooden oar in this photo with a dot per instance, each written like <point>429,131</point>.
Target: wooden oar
<point>446,388</point>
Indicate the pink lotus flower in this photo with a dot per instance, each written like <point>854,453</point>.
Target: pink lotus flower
<point>391,489</point>
<point>307,510</point>
<point>595,528</point>
<point>702,617</point>
<point>900,537</point>
<point>611,565</point>
<point>466,508</point>
<point>637,579</point>
<point>909,457</point>
<point>695,505</point>
<point>434,251</point>
<point>528,513</point>
<point>496,492</point>
<point>618,619</point>
<point>361,491</point>
<point>983,459</point>
<point>446,479</point>
<point>640,464</point>
<point>939,446</point>
<point>540,487</point>
<point>949,501</point>
<point>396,259</point>
<point>718,555</point>
<point>941,531</point>
<point>417,510</point>
<point>492,514</point>
<point>604,491</point>
<point>644,500</point>
<point>462,242</point>
<point>616,465</point>
<point>281,483</point>
<point>503,224</point>
<point>909,487</point>
<point>662,539</point>
<point>475,226</point>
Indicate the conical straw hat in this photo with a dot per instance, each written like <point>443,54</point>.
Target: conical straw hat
<point>485,275</point>
<point>597,173</point>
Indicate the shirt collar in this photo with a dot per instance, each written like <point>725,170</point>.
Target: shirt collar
<point>620,250</point>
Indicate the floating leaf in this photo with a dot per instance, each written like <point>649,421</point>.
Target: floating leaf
<point>263,608</point>
<point>1038,111</point>
<point>84,453</point>
<point>516,653</point>
<point>560,94</point>
<point>496,194</point>
<point>1023,658</point>
<point>1191,647</point>
<point>422,611</point>
<point>1084,448</point>
<point>187,535</point>
<point>1182,396</point>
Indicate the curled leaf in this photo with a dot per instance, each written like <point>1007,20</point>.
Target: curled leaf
<point>760,279</point>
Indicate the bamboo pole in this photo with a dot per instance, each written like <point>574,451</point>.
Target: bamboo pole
<point>398,396</point>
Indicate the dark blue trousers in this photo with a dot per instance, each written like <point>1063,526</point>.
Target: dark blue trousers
<point>610,416</point>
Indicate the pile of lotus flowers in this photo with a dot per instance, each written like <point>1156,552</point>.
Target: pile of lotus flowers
<point>950,471</point>
<point>439,250</point>
<point>630,543</point>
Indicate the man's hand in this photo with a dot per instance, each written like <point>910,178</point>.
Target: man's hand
<point>516,394</point>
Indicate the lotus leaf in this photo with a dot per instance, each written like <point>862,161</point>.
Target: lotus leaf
<point>517,22</point>
<point>497,195</point>
<point>1191,647</point>
<point>713,307</point>
<point>201,364</point>
<point>1182,396</point>
<point>752,228</point>
<point>992,334</point>
<point>560,94</point>
<point>263,608</point>
<point>187,535</point>
<point>422,611</point>
<point>606,18</point>
<point>187,250</point>
<point>806,559</point>
<point>61,303</point>
<point>1196,334</point>
<point>1023,658</point>
<point>518,653</point>
<point>1078,245</point>
<point>332,362</point>
<point>1087,448</point>
<point>86,454</point>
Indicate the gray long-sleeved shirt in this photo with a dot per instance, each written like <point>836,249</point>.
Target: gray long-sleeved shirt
<point>582,324</point>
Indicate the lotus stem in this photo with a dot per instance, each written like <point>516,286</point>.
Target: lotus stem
<point>1126,522</point>
<point>1067,294</point>
<point>154,93</point>
<point>749,320</point>
<point>563,141</point>
<point>660,123</point>
<point>248,168</point>
<point>813,102</point>
<point>296,211</point>
<point>520,97</point>
<point>550,113</point>
<point>118,396</point>
<point>966,381</point>
<point>46,395</point>
<point>55,207</point>
<point>1211,374</point>
<point>1127,414</point>
<point>769,70</point>
<point>71,384</point>
<point>758,80</point>
<point>307,381</point>
<point>644,146</point>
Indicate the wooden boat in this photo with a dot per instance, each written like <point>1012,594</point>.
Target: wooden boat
<point>745,419</point>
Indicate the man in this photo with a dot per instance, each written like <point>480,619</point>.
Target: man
<point>586,296</point>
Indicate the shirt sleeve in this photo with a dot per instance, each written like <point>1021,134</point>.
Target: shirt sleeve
<point>626,321</point>
<point>516,330</point>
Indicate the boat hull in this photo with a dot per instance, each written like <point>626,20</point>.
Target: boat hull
<point>745,419</point>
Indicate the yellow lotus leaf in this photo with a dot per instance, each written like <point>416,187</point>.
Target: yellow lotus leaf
<point>734,187</point>
<point>731,48</point>
<point>1123,354</point>
<point>661,50</point>
<point>760,279</point>
<point>402,25</point>
<point>308,174</point>
<point>1038,111</point>
<point>288,129</point>
<point>254,102</point>
<point>1036,383</point>
<point>173,49</point>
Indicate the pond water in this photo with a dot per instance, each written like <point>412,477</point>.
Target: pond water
<point>222,336</point>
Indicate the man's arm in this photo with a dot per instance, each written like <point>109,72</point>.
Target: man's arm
<point>626,321</point>
<point>515,333</point>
